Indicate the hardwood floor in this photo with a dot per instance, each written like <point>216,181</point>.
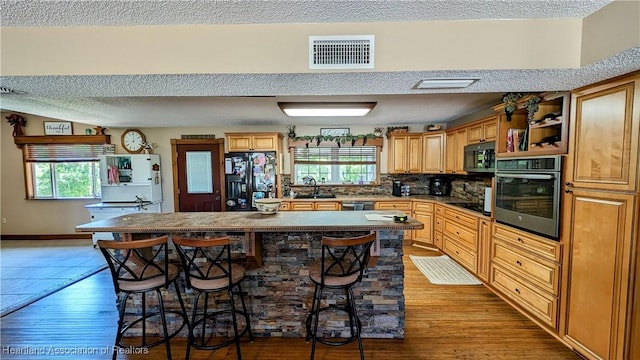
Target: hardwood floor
<point>443,322</point>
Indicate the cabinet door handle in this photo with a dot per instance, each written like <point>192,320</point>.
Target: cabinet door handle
<point>568,191</point>
<point>518,262</point>
<point>568,183</point>
<point>517,291</point>
<point>520,240</point>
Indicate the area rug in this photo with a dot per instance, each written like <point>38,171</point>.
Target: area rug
<point>33,269</point>
<point>442,270</point>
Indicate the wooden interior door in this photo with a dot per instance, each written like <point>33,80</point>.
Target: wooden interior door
<point>198,174</point>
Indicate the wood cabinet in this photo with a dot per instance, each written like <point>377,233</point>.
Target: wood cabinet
<point>285,206</point>
<point>438,226</point>
<point>239,142</point>
<point>605,136</point>
<point>404,206</point>
<point>405,153</point>
<point>423,212</point>
<point>483,130</point>
<point>315,206</point>
<point>484,248</point>
<point>600,211</point>
<point>460,240</point>
<point>544,134</point>
<point>456,140</point>
<point>525,269</point>
<point>433,156</point>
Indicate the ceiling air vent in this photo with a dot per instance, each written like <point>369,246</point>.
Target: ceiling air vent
<point>4,90</point>
<point>341,52</point>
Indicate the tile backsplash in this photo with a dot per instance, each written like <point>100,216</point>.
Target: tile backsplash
<point>468,187</point>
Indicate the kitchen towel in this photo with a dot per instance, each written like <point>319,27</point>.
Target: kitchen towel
<point>442,270</point>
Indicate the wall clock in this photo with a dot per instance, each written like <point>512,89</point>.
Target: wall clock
<point>133,141</point>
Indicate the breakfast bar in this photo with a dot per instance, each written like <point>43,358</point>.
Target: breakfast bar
<point>278,249</point>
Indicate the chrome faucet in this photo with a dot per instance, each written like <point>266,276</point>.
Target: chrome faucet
<point>307,181</point>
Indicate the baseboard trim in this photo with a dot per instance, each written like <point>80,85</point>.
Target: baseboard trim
<point>45,237</point>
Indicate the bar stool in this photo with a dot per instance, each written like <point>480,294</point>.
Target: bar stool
<point>341,266</point>
<point>139,267</point>
<point>209,270</point>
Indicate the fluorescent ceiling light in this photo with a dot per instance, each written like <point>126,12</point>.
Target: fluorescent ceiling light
<point>444,83</point>
<point>326,109</point>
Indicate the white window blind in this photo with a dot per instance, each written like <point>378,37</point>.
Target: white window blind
<point>361,155</point>
<point>62,152</point>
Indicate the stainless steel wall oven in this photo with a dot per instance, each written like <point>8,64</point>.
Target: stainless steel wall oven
<point>528,192</point>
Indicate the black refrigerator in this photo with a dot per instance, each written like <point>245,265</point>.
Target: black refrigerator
<point>249,176</point>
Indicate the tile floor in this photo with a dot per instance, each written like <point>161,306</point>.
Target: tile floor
<point>32,269</point>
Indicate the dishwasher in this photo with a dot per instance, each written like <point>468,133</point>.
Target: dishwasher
<point>357,205</point>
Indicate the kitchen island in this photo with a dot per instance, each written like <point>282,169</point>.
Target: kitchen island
<point>279,249</point>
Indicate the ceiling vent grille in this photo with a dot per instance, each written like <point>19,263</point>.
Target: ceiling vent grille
<point>4,91</point>
<point>341,52</point>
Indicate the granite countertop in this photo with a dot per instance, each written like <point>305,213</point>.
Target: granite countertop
<point>285,221</point>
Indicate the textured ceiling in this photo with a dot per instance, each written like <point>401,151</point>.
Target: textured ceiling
<point>250,99</point>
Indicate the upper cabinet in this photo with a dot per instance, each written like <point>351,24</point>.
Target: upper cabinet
<point>405,153</point>
<point>605,135</point>
<point>239,142</point>
<point>433,157</point>
<point>454,154</point>
<point>537,126</point>
<point>484,130</point>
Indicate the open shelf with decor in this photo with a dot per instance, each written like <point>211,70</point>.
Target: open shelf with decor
<point>536,125</point>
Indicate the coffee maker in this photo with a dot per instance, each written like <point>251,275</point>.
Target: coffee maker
<point>440,186</point>
<point>397,188</point>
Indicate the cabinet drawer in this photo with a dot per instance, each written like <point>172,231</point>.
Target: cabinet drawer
<point>463,235</point>
<point>393,205</point>
<point>439,210</point>
<point>302,205</point>
<point>422,206</point>
<point>438,240</point>
<point>548,249</point>
<point>439,224</point>
<point>285,206</point>
<point>463,256</point>
<point>542,273</point>
<point>461,218</point>
<point>327,206</point>
<point>536,302</point>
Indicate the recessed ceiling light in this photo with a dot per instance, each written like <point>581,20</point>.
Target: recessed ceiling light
<point>326,109</point>
<point>444,83</point>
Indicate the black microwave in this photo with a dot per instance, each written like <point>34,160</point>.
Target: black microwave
<point>480,157</point>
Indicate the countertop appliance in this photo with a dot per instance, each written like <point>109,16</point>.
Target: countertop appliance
<point>440,186</point>
<point>397,188</point>
<point>249,176</point>
<point>480,157</point>
<point>528,192</point>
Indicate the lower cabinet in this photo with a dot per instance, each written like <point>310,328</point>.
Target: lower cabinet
<point>315,206</point>
<point>423,212</point>
<point>525,269</point>
<point>460,240</point>
<point>438,226</point>
<point>402,205</point>
<point>484,249</point>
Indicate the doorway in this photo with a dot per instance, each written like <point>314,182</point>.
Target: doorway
<point>197,174</point>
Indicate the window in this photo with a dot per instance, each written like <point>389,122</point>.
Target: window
<point>62,171</point>
<point>336,165</point>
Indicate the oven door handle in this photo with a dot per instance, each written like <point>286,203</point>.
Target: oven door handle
<point>527,176</point>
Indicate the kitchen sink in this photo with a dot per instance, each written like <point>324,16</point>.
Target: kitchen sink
<point>311,196</point>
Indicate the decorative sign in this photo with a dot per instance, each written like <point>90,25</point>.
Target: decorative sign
<point>58,128</point>
<point>334,131</point>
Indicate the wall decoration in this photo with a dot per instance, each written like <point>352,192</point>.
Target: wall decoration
<point>18,122</point>
<point>334,131</point>
<point>58,128</point>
